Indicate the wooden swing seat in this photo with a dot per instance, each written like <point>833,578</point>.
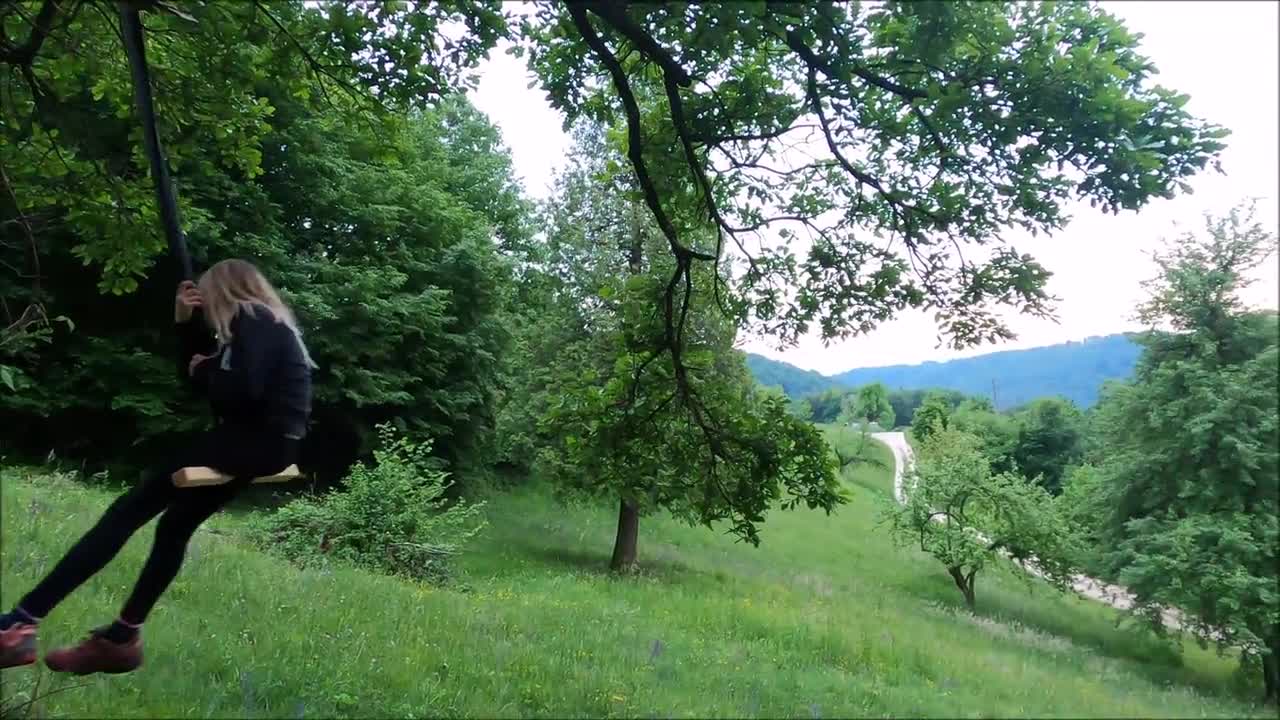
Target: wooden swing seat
<point>200,476</point>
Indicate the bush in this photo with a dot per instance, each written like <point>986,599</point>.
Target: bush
<point>391,516</point>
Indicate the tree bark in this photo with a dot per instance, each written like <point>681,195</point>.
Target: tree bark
<point>1271,672</point>
<point>1270,678</point>
<point>965,583</point>
<point>624,546</point>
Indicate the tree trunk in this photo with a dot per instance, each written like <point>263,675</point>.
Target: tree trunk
<point>624,546</point>
<point>965,583</point>
<point>1271,675</point>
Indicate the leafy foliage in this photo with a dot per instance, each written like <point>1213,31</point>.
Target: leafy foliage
<point>1189,449</point>
<point>385,228</point>
<point>932,417</point>
<point>612,421</point>
<point>391,516</point>
<point>997,432</point>
<point>1049,440</point>
<point>965,516</point>
<point>1081,504</point>
<point>905,402</point>
<point>938,125</point>
<point>869,404</point>
<point>930,127</point>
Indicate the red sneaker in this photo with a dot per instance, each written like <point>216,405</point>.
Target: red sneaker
<point>17,645</point>
<point>96,654</point>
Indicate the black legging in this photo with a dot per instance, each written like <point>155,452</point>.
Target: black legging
<point>243,452</point>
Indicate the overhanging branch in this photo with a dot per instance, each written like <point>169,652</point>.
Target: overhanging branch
<point>25,53</point>
<point>635,136</point>
<point>616,16</point>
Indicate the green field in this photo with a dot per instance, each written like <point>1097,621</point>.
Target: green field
<point>826,618</point>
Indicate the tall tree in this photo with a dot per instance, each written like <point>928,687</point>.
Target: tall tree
<point>607,416</point>
<point>379,226</point>
<point>928,130</point>
<point>1189,462</point>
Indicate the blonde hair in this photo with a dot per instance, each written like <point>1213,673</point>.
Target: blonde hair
<point>234,286</point>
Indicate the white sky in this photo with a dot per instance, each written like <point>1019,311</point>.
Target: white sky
<point>1223,54</point>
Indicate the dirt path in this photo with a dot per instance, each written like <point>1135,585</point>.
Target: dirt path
<point>1113,595</point>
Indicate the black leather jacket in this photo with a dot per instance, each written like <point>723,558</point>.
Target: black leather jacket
<point>260,379</point>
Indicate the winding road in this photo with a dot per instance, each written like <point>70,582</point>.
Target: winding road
<point>1113,595</point>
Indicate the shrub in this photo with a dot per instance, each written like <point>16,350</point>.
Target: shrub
<point>391,516</point>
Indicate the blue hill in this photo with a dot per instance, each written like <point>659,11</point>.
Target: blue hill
<point>1075,370</point>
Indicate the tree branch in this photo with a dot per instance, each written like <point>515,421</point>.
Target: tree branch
<point>796,43</point>
<point>616,16</point>
<point>25,224</point>
<point>901,210</point>
<point>635,144</point>
<point>751,137</point>
<point>25,53</point>
<point>317,69</point>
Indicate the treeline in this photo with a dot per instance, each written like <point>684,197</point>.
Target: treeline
<point>1043,439</point>
<point>394,235</point>
<point>1168,487</point>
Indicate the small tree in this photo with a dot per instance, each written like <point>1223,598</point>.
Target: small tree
<point>963,515</point>
<point>869,405</point>
<point>1049,440</point>
<point>932,416</point>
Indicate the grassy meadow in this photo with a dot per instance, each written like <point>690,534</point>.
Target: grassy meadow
<point>825,619</point>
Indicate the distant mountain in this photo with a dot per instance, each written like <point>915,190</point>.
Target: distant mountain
<point>795,382</point>
<point>1075,370</point>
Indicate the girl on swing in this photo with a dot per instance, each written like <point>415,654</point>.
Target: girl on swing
<point>257,377</point>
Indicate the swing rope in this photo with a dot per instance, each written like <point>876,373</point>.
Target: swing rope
<point>166,199</point>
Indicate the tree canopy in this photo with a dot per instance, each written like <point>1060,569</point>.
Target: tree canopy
<point>933,128</point>
<point>802,167</point>
<point>1188,466</point>
<point>606,418</point>
<point>930,126</point>
<point>967,517</point>
<point>387,232</point>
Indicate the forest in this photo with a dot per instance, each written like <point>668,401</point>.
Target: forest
<point>533,413</point>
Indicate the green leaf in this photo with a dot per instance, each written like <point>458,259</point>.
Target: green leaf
<point>6,376</point>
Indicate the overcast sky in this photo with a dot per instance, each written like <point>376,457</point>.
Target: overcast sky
<point>1223,54</point>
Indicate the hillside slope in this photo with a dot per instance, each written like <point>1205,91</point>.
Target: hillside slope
<point>1075,370</point>
<point>795,382</point>
<point>827,618</point>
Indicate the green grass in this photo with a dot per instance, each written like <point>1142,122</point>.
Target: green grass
<point>874,471</point>
<point>825,618</point>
